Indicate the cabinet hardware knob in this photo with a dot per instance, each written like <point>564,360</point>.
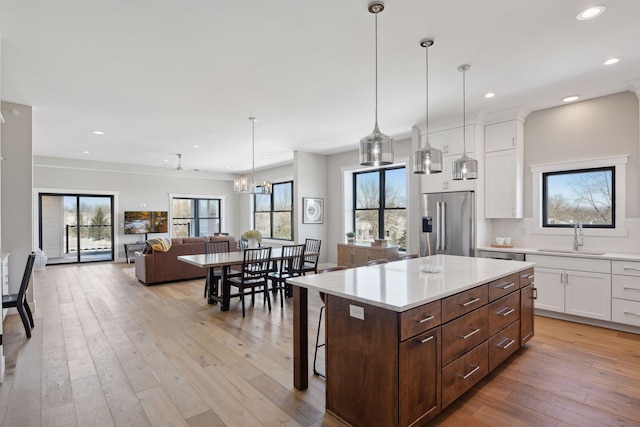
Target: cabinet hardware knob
<point>426,319</point>
<point>426,339</point>
<point>475,331</point>
<point>470,302</point>
<point>464,377</point>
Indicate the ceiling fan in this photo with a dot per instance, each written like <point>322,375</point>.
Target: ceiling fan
<point>179,167</point>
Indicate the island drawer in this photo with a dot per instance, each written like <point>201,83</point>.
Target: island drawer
<point>504,312</point>
<point>504,286</point>
<point>628,268</point>
<point>526,277</point>
<point>464,302</point>
<point>503,345</point>
<point>625,287</point>
<point>461,335</point>
<point>419,319</point>
<point>462,374</point>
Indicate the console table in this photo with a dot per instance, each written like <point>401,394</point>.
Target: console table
<point>356,255</point>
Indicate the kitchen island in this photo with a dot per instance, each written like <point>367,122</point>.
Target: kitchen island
<point>403,343</point>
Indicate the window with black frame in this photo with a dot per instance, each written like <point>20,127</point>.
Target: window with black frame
<point>380,202</point>
<point>273,213</point>
<point>583,195</point>
<point>194,217</point>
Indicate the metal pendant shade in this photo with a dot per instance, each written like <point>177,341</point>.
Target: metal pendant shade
<point>427,160</point>
<point>465,167</point>
<point>376,149</point>
<point>243,184</point>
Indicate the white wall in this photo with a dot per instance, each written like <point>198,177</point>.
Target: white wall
<point>310,171</point>
<point>16,184</point>
<point>135,188</point>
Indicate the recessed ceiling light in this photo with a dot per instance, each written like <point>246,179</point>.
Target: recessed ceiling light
<point>195,146</point>
<point>611,61</point>
<point>489,95</point>
<point>165,160</point>
<point>570,98</point>
<point>97,132</point>
<point>85,152</point>
<point>266,156</point>
<point>590,13</point>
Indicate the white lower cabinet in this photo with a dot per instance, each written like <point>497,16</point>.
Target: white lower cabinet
<point>625,305</point>
<point>577,286</point>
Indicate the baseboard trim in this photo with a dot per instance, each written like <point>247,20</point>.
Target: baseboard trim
<point>585,320</point>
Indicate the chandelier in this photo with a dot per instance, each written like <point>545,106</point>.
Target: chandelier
<point>246,185</point>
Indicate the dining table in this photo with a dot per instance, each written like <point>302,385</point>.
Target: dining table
<point>225,261</point>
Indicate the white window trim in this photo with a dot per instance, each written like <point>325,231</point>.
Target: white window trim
<point>196,196</point>
<point>620,162</point>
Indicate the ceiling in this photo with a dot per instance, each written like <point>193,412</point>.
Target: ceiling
<point>159,77</point>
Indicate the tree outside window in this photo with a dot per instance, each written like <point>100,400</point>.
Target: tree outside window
<point>273,213</point>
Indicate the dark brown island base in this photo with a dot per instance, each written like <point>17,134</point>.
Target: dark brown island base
<point>402,344</point>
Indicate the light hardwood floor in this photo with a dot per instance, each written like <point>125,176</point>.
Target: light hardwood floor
<point>107,350</point>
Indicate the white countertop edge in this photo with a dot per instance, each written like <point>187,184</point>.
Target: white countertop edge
<point>612,256</point>
<point>307,282</point>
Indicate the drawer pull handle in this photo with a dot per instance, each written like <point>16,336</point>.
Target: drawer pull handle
<point>631,312</point>
<point>508,312</point>
<point>530,276</point>
<point>632,288</point>
<point>426,339</point>
<point>464,377</point>
<point>505,285</point>
<point>470,302</point>
<point>504,347</point>
<point>632,268</point>
<point>464,337</point>
<point>535,293</point>
<point>426,319</point>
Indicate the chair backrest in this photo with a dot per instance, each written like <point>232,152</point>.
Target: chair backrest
<point>378,261</point>
<point>26,277</point>
<point>310,246</point>
<point>243,244</point>
<point>292,259</point>
<point>216,247</point>
<point>409,256</point>
<point>220,234</point>
<point>336,268</point>
<point>256,262</point>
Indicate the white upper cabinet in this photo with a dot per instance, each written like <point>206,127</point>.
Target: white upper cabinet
<point>451,141</point>
<point>504,169</point>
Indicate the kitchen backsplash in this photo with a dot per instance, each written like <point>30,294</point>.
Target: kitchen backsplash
<point>520,233</point>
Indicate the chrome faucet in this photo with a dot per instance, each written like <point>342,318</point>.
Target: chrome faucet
<point>577,242</point>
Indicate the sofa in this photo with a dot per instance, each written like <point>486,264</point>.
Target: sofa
<point>152,266</point>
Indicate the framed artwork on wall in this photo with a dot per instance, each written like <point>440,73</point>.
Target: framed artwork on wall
<point>312,210</point>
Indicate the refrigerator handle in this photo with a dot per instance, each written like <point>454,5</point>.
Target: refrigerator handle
<point>438,219</point>
<point>443,214</point>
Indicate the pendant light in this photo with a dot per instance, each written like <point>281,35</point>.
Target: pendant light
<point>465,167</point>
<point>427,160</point>
<point>243,185</point>
<point>376,149</point>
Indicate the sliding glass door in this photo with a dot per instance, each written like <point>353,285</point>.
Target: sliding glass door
<point>76,228</point>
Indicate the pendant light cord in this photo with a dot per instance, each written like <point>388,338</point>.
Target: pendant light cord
<point>376,44</point>
<point>426,131</point>
<point>253,149</point>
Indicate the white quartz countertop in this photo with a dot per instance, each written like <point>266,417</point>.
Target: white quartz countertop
<point>613,256</point>
<point>401,285</point>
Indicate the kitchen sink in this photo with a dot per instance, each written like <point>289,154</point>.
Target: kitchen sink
<point>569,251</point>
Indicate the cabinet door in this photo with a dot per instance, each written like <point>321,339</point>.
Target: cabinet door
<point>345,255</point>
<point>420,378</point>
<point>437,140</point>
<point>500,136</point>
<point>503,185</point>
<point>587,294</point>
<point>527,296</point>
<point>550,285</point>
<point>456,142</point>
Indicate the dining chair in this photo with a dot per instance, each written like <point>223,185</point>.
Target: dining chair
<point>315,354</point>
<point>290,266</point>
<point>214,274</point>
<point>311,261</point>
<point>243,244</point>
<point>409,256</point>
<point>378,261</point>
<point>19,300</point>
<point>255,267</point>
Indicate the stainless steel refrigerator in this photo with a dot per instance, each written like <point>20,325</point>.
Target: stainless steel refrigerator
<point>448,223</point>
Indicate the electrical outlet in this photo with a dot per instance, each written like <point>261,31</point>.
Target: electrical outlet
<point>357,312</point>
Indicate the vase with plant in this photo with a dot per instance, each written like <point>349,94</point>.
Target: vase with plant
<point>253,237</point>
<point>351,237</point>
